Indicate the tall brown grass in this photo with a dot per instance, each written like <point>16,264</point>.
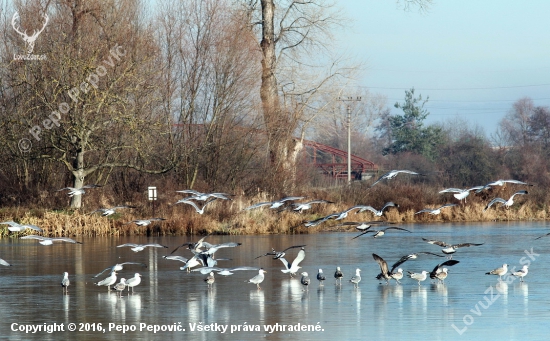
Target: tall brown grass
<point>229,217</point>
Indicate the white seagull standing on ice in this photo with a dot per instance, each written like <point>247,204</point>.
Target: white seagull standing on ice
<point>108,281</point>
<point>505,203</point>
<point>65,282</point>
<point>321,277</point>
<point>418,276</point>
<point>118,267</point>
<point>338,274</point>
<point>499,271</point>
<point>391,174</point>
<point>259,278</point>
<point>305,280</point>
<point>132,282</point>
<point>521,273</point>
<point>356,279</point>
<point>440,273</point>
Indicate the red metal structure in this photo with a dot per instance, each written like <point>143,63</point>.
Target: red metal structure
<point>337,168</point>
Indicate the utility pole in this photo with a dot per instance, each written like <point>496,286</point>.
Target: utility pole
<point>349,99</point>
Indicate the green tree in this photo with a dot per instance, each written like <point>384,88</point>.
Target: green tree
<point>407,133</point>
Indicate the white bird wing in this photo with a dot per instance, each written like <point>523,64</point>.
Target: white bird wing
<point>128,244</point>
<point>452,190</point>
<point>34,237</point>
<point>300,257</point>
<point>495,200</point>
<point>260,204</point>
<point>3,262</point>
<point>285,263</point>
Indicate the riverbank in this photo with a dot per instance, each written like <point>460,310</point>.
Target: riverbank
<point>229,217</point>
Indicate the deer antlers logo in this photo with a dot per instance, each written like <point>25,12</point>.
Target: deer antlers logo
<point>29,40</point>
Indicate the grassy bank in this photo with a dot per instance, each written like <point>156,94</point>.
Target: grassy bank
<point>228,217</point>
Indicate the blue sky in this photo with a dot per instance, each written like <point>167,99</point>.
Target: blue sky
<point>473,59</point>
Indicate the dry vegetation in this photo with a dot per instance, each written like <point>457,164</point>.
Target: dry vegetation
<point>228,217</point>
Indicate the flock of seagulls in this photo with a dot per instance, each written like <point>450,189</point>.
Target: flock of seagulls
<point>203,252</point>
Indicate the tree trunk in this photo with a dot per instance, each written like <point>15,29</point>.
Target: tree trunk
<point>283,149</point>
<point>78,181</point>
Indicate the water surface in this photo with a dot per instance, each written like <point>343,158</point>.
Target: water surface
<point>470,305</point>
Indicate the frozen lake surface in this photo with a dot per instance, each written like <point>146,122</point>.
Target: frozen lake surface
<point>470,305</point>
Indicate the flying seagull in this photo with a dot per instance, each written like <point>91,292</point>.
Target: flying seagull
<point>375,211</point>
<point>16,227</point>
<point>449,249</point>
<point>224,271</point>
<point>300,207</point>
<point>199,210</point>
<point>435,211</point>
<point>273,204</point>
<point>259,278</point>
<point>505,203</point>
<point>391,174</point>
<point>105,212</point>
<point>118,267</point>
<point>501,183</point>
<point>49,241</point>
<point>316,222</point>
<point>440,273</point>
<point>140,247</point>
<point>144,222</point>
<point>499,271</point>
<point>362,225</point>
<point>204,196</point>
<point>459,193</point>
<point>279,254</point>
<point>293,268</point>
<point>77,191</point>
<point>380,233</point>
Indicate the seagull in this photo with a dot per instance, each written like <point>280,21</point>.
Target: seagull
<point>279,254</point>
<point>505,203</point>
<point>293,268</point>
<point>305,280</point>
<point>441,273</point>
<point>435,211</point>
<point>391,174</point>
<point>413,256</point>
<point>418,276</point>
<point>361,225</point>
<point>224,271</point>
<point>380,233</point>
<point>338,275</point>
<point>212,248</point>
<point>4,263</point>
<point>521,273</point>
<point>375,211</point>
<point>199,210</point>
<point>344,214</point>
<point>301,207</point>
<point>49,241</point>
<point>16,227</point>
<point>447,248</point>
<point>194,247</point>
<point>144,222</point>
<point>387,274</point>
<point>119,287</point>
<point>141,247</point>
<point>316,222</point>
<point>178,258</point>
<point>259,278</point>
<point>77,191</point>
<point>501,183</point>
<point>108,281</point>
<point>321,277</point>
<point>459,193</point>
<point>134,281</point>
<point>356,279</point>
<point>118,267</point>
<point>204,196</point>
<point>191,263</point>
<point>499,271</point>
<point>273,204</point>
<point>210,279</point>
<point>105,212</point>
<point>65,282</point>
